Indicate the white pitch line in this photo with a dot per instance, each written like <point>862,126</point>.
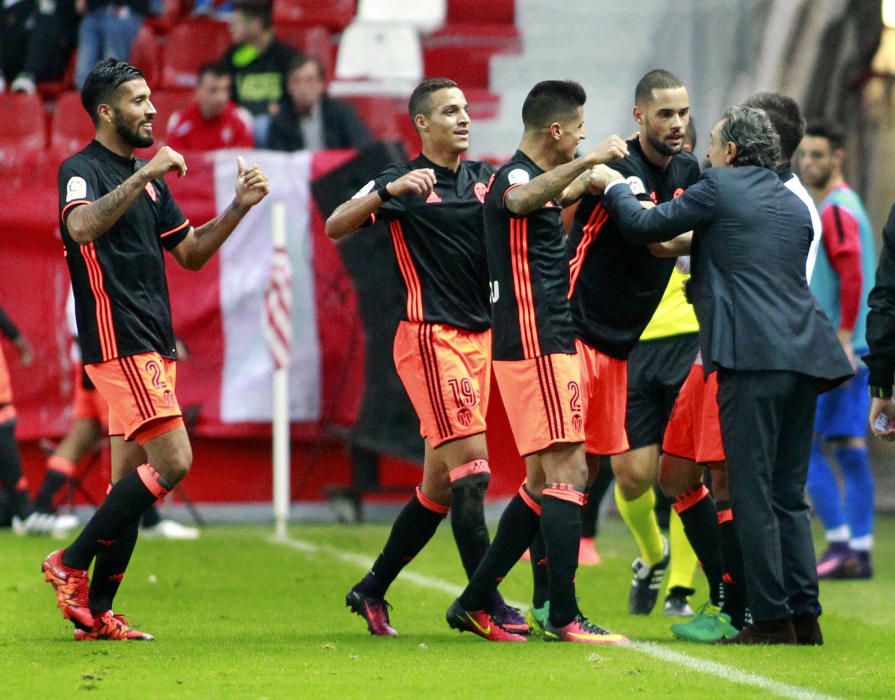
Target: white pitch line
<point>712,668</point>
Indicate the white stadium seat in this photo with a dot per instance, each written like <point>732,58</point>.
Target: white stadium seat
<point>388,55</point>
<point>425,15</point>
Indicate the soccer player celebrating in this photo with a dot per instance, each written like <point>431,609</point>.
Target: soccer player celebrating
<point>442,350</point>
<point>615,287</point>
<point>534,359</point>
<point>117,217</point>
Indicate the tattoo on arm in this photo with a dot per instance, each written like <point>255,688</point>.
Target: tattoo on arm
<point>93,220</point>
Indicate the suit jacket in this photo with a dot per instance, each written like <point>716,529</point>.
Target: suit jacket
<point>342,127</point>
<point>751,236</point>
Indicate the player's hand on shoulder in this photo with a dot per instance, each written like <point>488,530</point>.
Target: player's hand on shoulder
<point>165,161</point>
<point>612,148</point>
<point>252,184</point>
<point>599,178</point>
<point>420,181</point>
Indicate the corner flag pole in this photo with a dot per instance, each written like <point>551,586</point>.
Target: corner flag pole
<point>280,291</point>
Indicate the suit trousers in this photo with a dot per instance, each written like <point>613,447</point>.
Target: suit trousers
<point>767,422</point>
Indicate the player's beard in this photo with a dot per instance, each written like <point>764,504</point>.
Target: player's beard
<point>663,148</point>
<point>131,137</point>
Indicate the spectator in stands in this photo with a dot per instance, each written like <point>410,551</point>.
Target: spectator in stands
<point>212,121</point>
<point>258,63</point>
<point>108,29</point>
<point>50,44</point>
<point>14,33</point>
<point>309,118</point>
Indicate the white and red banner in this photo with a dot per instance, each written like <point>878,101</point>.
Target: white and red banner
<point>217,311</point>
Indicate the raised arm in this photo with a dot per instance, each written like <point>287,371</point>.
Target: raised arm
<point>524,199</point>
<point>87,222</point>
<point>356,212</point>
<point>202,242</point>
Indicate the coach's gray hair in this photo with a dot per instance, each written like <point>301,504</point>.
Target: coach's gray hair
<point>756,141</point>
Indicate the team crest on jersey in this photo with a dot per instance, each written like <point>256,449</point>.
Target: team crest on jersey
<point>577,422</point>
<point>75,189</point>
<point>636,184</point>
<point>151,191</point>
<point>464,417</point>
<point>677,193</point>
<point>433,198</point>
<point>480,190</point>
<point>365,190</point>
<point>518,176</point>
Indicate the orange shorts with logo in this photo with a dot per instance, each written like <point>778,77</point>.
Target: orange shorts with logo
<point>140,392</point>
<point>446,372</point>
<point>694,430</point>
<point>604,392</point>
<point>543,401</point>
<point>88,403</point>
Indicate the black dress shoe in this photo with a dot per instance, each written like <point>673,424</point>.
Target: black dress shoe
<point>765,632</point>
<point>807,630</point>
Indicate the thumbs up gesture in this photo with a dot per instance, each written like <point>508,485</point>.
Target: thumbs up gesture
<point>251,184</point>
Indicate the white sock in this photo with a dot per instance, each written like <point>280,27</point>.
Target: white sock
<point>838,535</point>
<point>861,544</point>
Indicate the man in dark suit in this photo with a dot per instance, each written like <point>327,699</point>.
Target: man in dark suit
<point>774,350</point>
<point>309,118</point>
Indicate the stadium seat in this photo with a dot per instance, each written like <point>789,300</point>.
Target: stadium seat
<point>469,66</point>
<point>190,45</point>
<point>425,15</point>
<point>166,102</point>
<point>380,114</point>
<point>335,14</point>
<point>314,40</point>
<point>70,127</point>
<point>387,53</point>
<point>145,54</point>
<point>172,10</point>
<point>23,125</point>
<point>478,12</point>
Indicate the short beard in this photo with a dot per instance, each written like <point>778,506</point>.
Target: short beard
<point>822,182</point>
<point>132,138</point>
<point>662,148</point>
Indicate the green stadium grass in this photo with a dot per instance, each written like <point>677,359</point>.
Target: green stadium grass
<point>238,616</point>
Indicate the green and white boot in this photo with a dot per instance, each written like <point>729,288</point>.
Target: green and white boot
<point>708,625</point>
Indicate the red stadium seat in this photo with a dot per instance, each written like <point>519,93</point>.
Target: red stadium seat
<point>467,65</point>
<point>23,125</point>
<point>380,114</point>
<point>335,14</point>
<point>315,40</point>
<point>166,102</point>
<point>70,127</point>
<point>172,11</point>
<point>189,46</point>
<point>145,55</point>
<point>478,12</point>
